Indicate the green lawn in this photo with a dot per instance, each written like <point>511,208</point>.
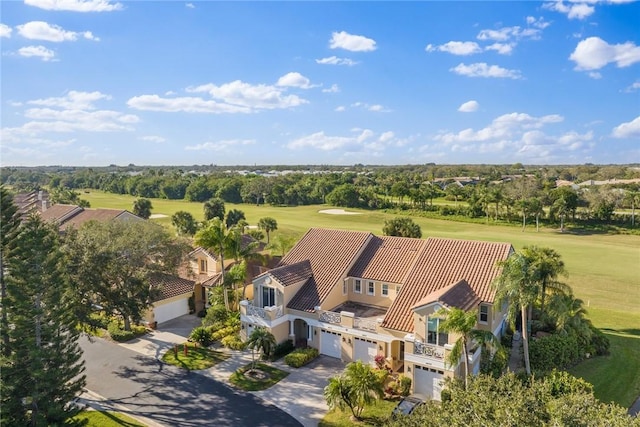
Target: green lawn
<point>604,269</point>
<point>240,380</point>
<point>107,419</point>
<point>375,415</point>
<point>197,358</point>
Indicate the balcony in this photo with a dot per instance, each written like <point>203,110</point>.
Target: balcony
<point>269,314</point>
<point>428,350</point>
<point>354,315</point>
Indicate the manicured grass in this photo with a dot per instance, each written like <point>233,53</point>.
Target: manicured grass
<point>616,377</point>
<point>375,415</point>
<point>274,375</point>
<point>604,269</point>
<point>197,357</point>
<point>107,419</point>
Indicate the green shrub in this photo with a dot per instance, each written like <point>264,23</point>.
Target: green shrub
<point>282,349</point>
<point>118,334</point>
<point>99,320</point>
<point>403,386</point>
<point>599,342</point>
<point>201,335</point>
<point>301,357</point>
<point>223,332</point>
<point>554,351</point>
<point>559,383</point>
<point>233,342</point>
<point>215,314</point>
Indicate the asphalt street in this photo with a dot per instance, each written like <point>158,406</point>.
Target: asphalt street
<point>169,395</point>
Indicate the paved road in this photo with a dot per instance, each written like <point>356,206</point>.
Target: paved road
<point>169,395</point>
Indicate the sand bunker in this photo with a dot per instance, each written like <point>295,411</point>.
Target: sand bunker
<point>154,216</point>
<point>338,212</point>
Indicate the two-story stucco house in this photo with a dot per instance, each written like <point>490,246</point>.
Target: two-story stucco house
<point>353,295</point>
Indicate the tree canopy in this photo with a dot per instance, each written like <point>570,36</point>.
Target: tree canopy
<point>402,227</point>
<point>142,208</point>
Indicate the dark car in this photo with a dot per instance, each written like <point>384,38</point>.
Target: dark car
<point>406,406</point>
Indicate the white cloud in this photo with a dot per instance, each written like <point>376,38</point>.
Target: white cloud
<point>5,30</point>
<point>580,10</point>
<point>73,100</point>
<point>481,69</point>
<point>241,94</point>
<point>334,60</point>
<point>37,52</point>
<point>333,89</point>
<point>595,75</point>
<point>190,5</point>
<point>627,130</point>
<point>76,5</point>
<point>371,107</point>
<point>340,108</point>
<point>537,22</point>
<point>361,141</point>
<point>507,33</point>
<point>632,87</point>
<point>294,79</point>
<point>456,48</point>
<point>594,53</point>
<point>152,138</point>
<point>469,107</point>
<point>40,30</point>
<point>351,42</point>
<point>502,48</point>
<point>183,104</point>
<point>224,145</point>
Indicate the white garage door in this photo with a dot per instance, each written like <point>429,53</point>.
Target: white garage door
<point>428,381</point>
<point>165,312</point>
<point>365,350</point>
<point>330,344</point>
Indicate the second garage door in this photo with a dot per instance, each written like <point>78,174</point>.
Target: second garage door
<point>165,312</point>
<point>428,381</point>
<point>365,350</point>
<point>330,344</point>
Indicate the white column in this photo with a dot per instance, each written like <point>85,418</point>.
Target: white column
<point>291,331</point>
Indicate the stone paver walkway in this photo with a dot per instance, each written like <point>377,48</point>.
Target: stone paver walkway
<point>516,362</point>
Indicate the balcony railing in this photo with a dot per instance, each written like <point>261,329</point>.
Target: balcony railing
<point>364,323</point>
<point>263,313</point>
<point>330,317</point>
<point>428,350</point>
<point>252,310</point>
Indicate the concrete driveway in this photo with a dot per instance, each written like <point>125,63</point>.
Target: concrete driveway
<point>155,343</point>
<point>300,394</point>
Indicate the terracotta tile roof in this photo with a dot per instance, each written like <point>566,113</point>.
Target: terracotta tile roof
<point>387,259</point>
<point>60,213</point>
<point>293,273</point>
<point>458,295</point>
<point>331,253</point>
<point>214,280</point>
<point>169,286</point>
<point>203,250</point>
<point>101,215</point>
<point>443,262</point>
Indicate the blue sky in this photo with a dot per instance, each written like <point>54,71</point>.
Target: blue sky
<point>99,82</point>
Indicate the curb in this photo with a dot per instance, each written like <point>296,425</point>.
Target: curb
<point>95,401</point>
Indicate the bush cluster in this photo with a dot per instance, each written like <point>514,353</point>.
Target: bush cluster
<point>233,342</point>
<point>301,357</point>
<point>118,334</point>
<point>554,351</point>
<point>282,349</point>
<point>201,335</point>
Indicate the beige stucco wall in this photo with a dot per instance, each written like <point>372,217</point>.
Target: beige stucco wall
<point>148,315</point>
<point>377,299</point>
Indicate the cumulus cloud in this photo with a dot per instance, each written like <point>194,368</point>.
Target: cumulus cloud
<point>260,96</point>
<point>187,104</point>
<point>351,42</point>
<point>5,30</point>
<point>501,48</point>
<point>573,10</point>
<point>294,79</point>
<point>469,107</point>
<point>627,130</point>
<point>334,60</point>
<point>359,140</point>
<point>632,87</point>
<point>223,145</point>
<point>73,100</point>
<point>152,138</point>
<point>40,30</point>
<point>371,107</point>
<point>37,52</point>
<point>456,48</point>
<point>190,5</point>
<point>594,53</point>
<point>333,89</point>
<point>508,33</point>
<point>481,69</point>
<point>340,108</point>
<point>76,5</point>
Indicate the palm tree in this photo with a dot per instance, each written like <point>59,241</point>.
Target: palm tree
<point>236,275</point>
<point>569,314</point>
<point>547,265</point>
<point>263,341</point>
<point>516,285</point>
<point>356,388</point>
<point>489,344</point>
<point>462,323</point>
<point>267,224</point>
<point>281,244</point>
<point>214,237</point>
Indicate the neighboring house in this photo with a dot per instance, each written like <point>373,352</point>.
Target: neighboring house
<point>353,295</point>
<point>66,216</point>
<point>34,201</point>
<point>171,297</point>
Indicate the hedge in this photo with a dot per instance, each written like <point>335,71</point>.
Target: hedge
<point>301,357</point>
<point>118,334</point>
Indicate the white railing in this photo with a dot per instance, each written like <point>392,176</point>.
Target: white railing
<point>279,312</point>
<point>252,310</point>
<point>366,324</point>
<point>330,317</point>
<point>428,350</point>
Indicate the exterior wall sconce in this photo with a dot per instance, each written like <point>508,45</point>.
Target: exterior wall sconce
<point>408,368</point>
<point>242,326</point>
<point>379,347</point>
<point>315,332</point>
<point>344,339</point>
<point>349,340</point>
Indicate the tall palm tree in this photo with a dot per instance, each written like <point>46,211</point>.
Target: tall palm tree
<point>462,323</point>
<point>547,265</point>
<point>516,285</point>
<point>214,237</point>
<point>263,341</point>
<point>569,314</point>
<point>235,276</point>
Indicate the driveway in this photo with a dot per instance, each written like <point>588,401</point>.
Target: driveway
<point>300,394</point>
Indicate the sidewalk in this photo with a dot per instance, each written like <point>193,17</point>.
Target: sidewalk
<point>516,362</point>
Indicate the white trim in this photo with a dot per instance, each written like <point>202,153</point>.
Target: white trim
<point>357,282</point>
<point>369,283</point>
<point>425,361</point>
<point>483,322</point>
<point>382,292</point>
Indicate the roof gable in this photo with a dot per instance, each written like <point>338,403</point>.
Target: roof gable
<point>459,295</point>
<point>387,259</point>
<point>169,286</point>
<point>291,274</point>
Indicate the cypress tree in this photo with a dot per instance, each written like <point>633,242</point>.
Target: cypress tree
<point>42,369</point>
